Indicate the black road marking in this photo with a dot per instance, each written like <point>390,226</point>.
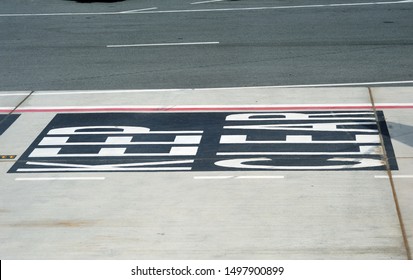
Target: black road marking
<point>6,120</point>
<point>219,141</point>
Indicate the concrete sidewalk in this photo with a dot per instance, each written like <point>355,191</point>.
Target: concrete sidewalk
<point>237,173</point>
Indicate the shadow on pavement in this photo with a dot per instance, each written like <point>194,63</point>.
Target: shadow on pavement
<point>401,132</point>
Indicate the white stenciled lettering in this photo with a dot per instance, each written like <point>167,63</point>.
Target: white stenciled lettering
<point>300,139</point>
<point>333,127</point>
<point>98,130</point>
<point>120,140</point>
<point>69,138</point>
<point>114,152</point>
<point>257,163</point>
<point>172,165</point>
<point>300,116</point>
<point>267,117</point>
<point>362,150</point>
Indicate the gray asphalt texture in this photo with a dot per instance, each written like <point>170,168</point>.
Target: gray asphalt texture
<point>319,45</point>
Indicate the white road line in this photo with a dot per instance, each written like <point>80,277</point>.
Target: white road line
<point>61,179</point>
<point>126,91</point>
<point>206,2</point>
<point>137,11</point>
<point>14,94</point>
<point>236,177</point>
<point>6,109</point>
<point>282,7</point>
<point>151,10</point>
<point>394,176</point>
<point>70,92</point>
<point>60,14</point>
<point>347,84</point>
<point>80,14</point>
<point>162,44</point>
<point>206,108</point>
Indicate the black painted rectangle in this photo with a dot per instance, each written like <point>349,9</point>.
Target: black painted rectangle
<point>213,141</point>
<point>6,120</point>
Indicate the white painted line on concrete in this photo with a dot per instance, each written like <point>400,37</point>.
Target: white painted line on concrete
<point>104,169</point>
<point>216,89</point>
<point>315,85</point>
<point>394,176</point>
<point>206,2</point>
<point>126,91</point>
<point>206,108</point>
<point>137,11</point>
<point>347,84</point>
<point>14,94</point>
<point>163,44</point>
<point>140,166</point>
<point>197,108</point>
<point>236,177</point>
<point>151,11</point>
<point>61,179</point>
<point>6,110</point>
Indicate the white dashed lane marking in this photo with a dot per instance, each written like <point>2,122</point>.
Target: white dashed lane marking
<point>154,11</point>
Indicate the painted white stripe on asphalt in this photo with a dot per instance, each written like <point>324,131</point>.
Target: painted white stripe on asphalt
<point>61,179</point>
<point>80,14</point>
<point>162,44</point>
<point>206,108</point>
<point>60,14</point>
<point>218,107</point>
<point>281,7</point>
<point>151,11</point>
<point>126,91</point>
<point>70,92</point>
<point>206,2</point>
<point>347,84</point>
<point>137,11</point>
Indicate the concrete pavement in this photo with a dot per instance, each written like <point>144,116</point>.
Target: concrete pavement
<point>323,173</point>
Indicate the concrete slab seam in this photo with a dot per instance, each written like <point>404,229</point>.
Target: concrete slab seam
<point>390,176</point>
<point>12,110</point>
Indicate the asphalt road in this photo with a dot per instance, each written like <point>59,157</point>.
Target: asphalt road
<point>63,44</point>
